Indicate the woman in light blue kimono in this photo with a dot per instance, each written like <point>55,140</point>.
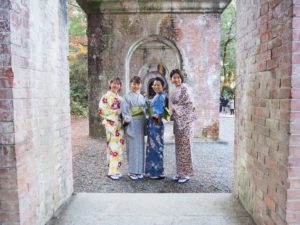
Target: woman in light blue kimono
<point>133,112</point>
<point>155,141</point>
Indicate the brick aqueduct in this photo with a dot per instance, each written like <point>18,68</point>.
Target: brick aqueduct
<point>146,38</point>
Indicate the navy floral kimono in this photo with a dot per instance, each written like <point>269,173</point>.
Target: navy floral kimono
<point>155,141</point>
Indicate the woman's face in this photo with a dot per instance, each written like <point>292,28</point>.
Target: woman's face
<point>176,79</point>
<point>157,86</point>
<point>115,87</point>
<point>135,86</point>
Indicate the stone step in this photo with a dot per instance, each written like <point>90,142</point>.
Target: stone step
<point>150,209</point>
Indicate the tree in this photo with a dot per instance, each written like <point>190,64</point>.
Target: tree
<point>78,60</point>
<point>228,49</point>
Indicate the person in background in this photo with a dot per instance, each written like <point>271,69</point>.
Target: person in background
<point>231,106</point>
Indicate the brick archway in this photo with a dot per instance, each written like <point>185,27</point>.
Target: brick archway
<point>152,38</point>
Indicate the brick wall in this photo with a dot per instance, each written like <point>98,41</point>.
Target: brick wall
<point>293,191</point>
<point>40,120</point>
<point>264,65</point>
<point>9,207</point>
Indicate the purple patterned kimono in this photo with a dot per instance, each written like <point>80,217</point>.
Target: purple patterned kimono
<point>183,116</point>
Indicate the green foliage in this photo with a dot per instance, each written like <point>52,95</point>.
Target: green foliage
<point>77,60</point>
<point>228,92</point>
<point>77,19</point>
<point>228,45</point>
<point>79,87</point>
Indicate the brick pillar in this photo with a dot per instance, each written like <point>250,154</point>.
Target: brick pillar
<point>9,200</point>
<point>264,137</point>
<point>35,145</point>
<point>293,191</point>
<point>98,30</point>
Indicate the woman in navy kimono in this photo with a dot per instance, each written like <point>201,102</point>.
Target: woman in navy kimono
<point>155,141</point>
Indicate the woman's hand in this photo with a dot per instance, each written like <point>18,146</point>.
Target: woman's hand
<point>173,109</point>
<point>118,111</point>
<point>155,116</point>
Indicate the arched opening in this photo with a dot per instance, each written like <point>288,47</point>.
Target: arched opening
<point>143,48</point>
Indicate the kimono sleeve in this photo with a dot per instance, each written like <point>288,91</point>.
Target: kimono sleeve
<point>159,105</point>
<point>185,104</point>
<point>125,109</point>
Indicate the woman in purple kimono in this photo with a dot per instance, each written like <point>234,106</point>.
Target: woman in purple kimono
<point>183,117</point>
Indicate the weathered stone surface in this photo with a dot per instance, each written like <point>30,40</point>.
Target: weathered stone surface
<point>159,6</point>
<point>35,146</point>
<point>9,199</point>
<point>138,44</point>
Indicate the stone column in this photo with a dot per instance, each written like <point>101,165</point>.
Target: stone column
<point>9,199</point>
<point>97,79</point>
<point>35,132</point>
<point>266,130</point>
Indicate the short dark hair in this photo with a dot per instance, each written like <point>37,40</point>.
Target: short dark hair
<point>135,79</point>
<point>115,79</point>
<point>178,72</point>
<point>160,80</point>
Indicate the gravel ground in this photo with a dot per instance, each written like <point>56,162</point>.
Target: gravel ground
<point>213,166</point>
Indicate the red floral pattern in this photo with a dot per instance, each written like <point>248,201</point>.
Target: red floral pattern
<point>104,100</point>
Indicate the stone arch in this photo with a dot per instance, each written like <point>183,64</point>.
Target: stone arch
<point>147,75</point>
<point>141,41</point>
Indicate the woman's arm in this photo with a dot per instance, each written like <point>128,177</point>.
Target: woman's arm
<point>125,109</point>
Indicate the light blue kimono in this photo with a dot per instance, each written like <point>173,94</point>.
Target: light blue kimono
<point>135,145</point>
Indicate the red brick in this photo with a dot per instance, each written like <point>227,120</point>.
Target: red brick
<point>272,64</point>
<point>294,139</point>
<point>293,206</point>
<point>270,203</point>
<point>296,10</point>
<point>295,92</point>
<point>293,217</point>
<point>295,81</point>
<point>295,116</point>
<point>9,206</point>
<point>294,183</point>
<point>264,8</point>
<point>8,195</point>
<point>296,58</point>
<point>9,217</point>
<point>296,22</point>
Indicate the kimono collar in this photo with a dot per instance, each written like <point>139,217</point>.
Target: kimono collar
<point>113,93</point>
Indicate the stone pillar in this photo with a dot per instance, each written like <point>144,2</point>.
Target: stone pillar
<point>190,31</point>
<point>98,81</point>
<point>267,119</point>
<point>9,198</point>
<point>293,190</point>
<point>35,145</point>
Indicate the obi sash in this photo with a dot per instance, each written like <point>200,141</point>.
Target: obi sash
<point>137,111</point>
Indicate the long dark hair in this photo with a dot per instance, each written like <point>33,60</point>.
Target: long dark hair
<point>178,72</point>
<point>160,80</point>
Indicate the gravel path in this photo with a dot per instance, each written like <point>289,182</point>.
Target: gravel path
<point>213,166</point>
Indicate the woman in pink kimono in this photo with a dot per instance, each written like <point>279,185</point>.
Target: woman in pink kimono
<point>109,110</point>
<point>183,117</point>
